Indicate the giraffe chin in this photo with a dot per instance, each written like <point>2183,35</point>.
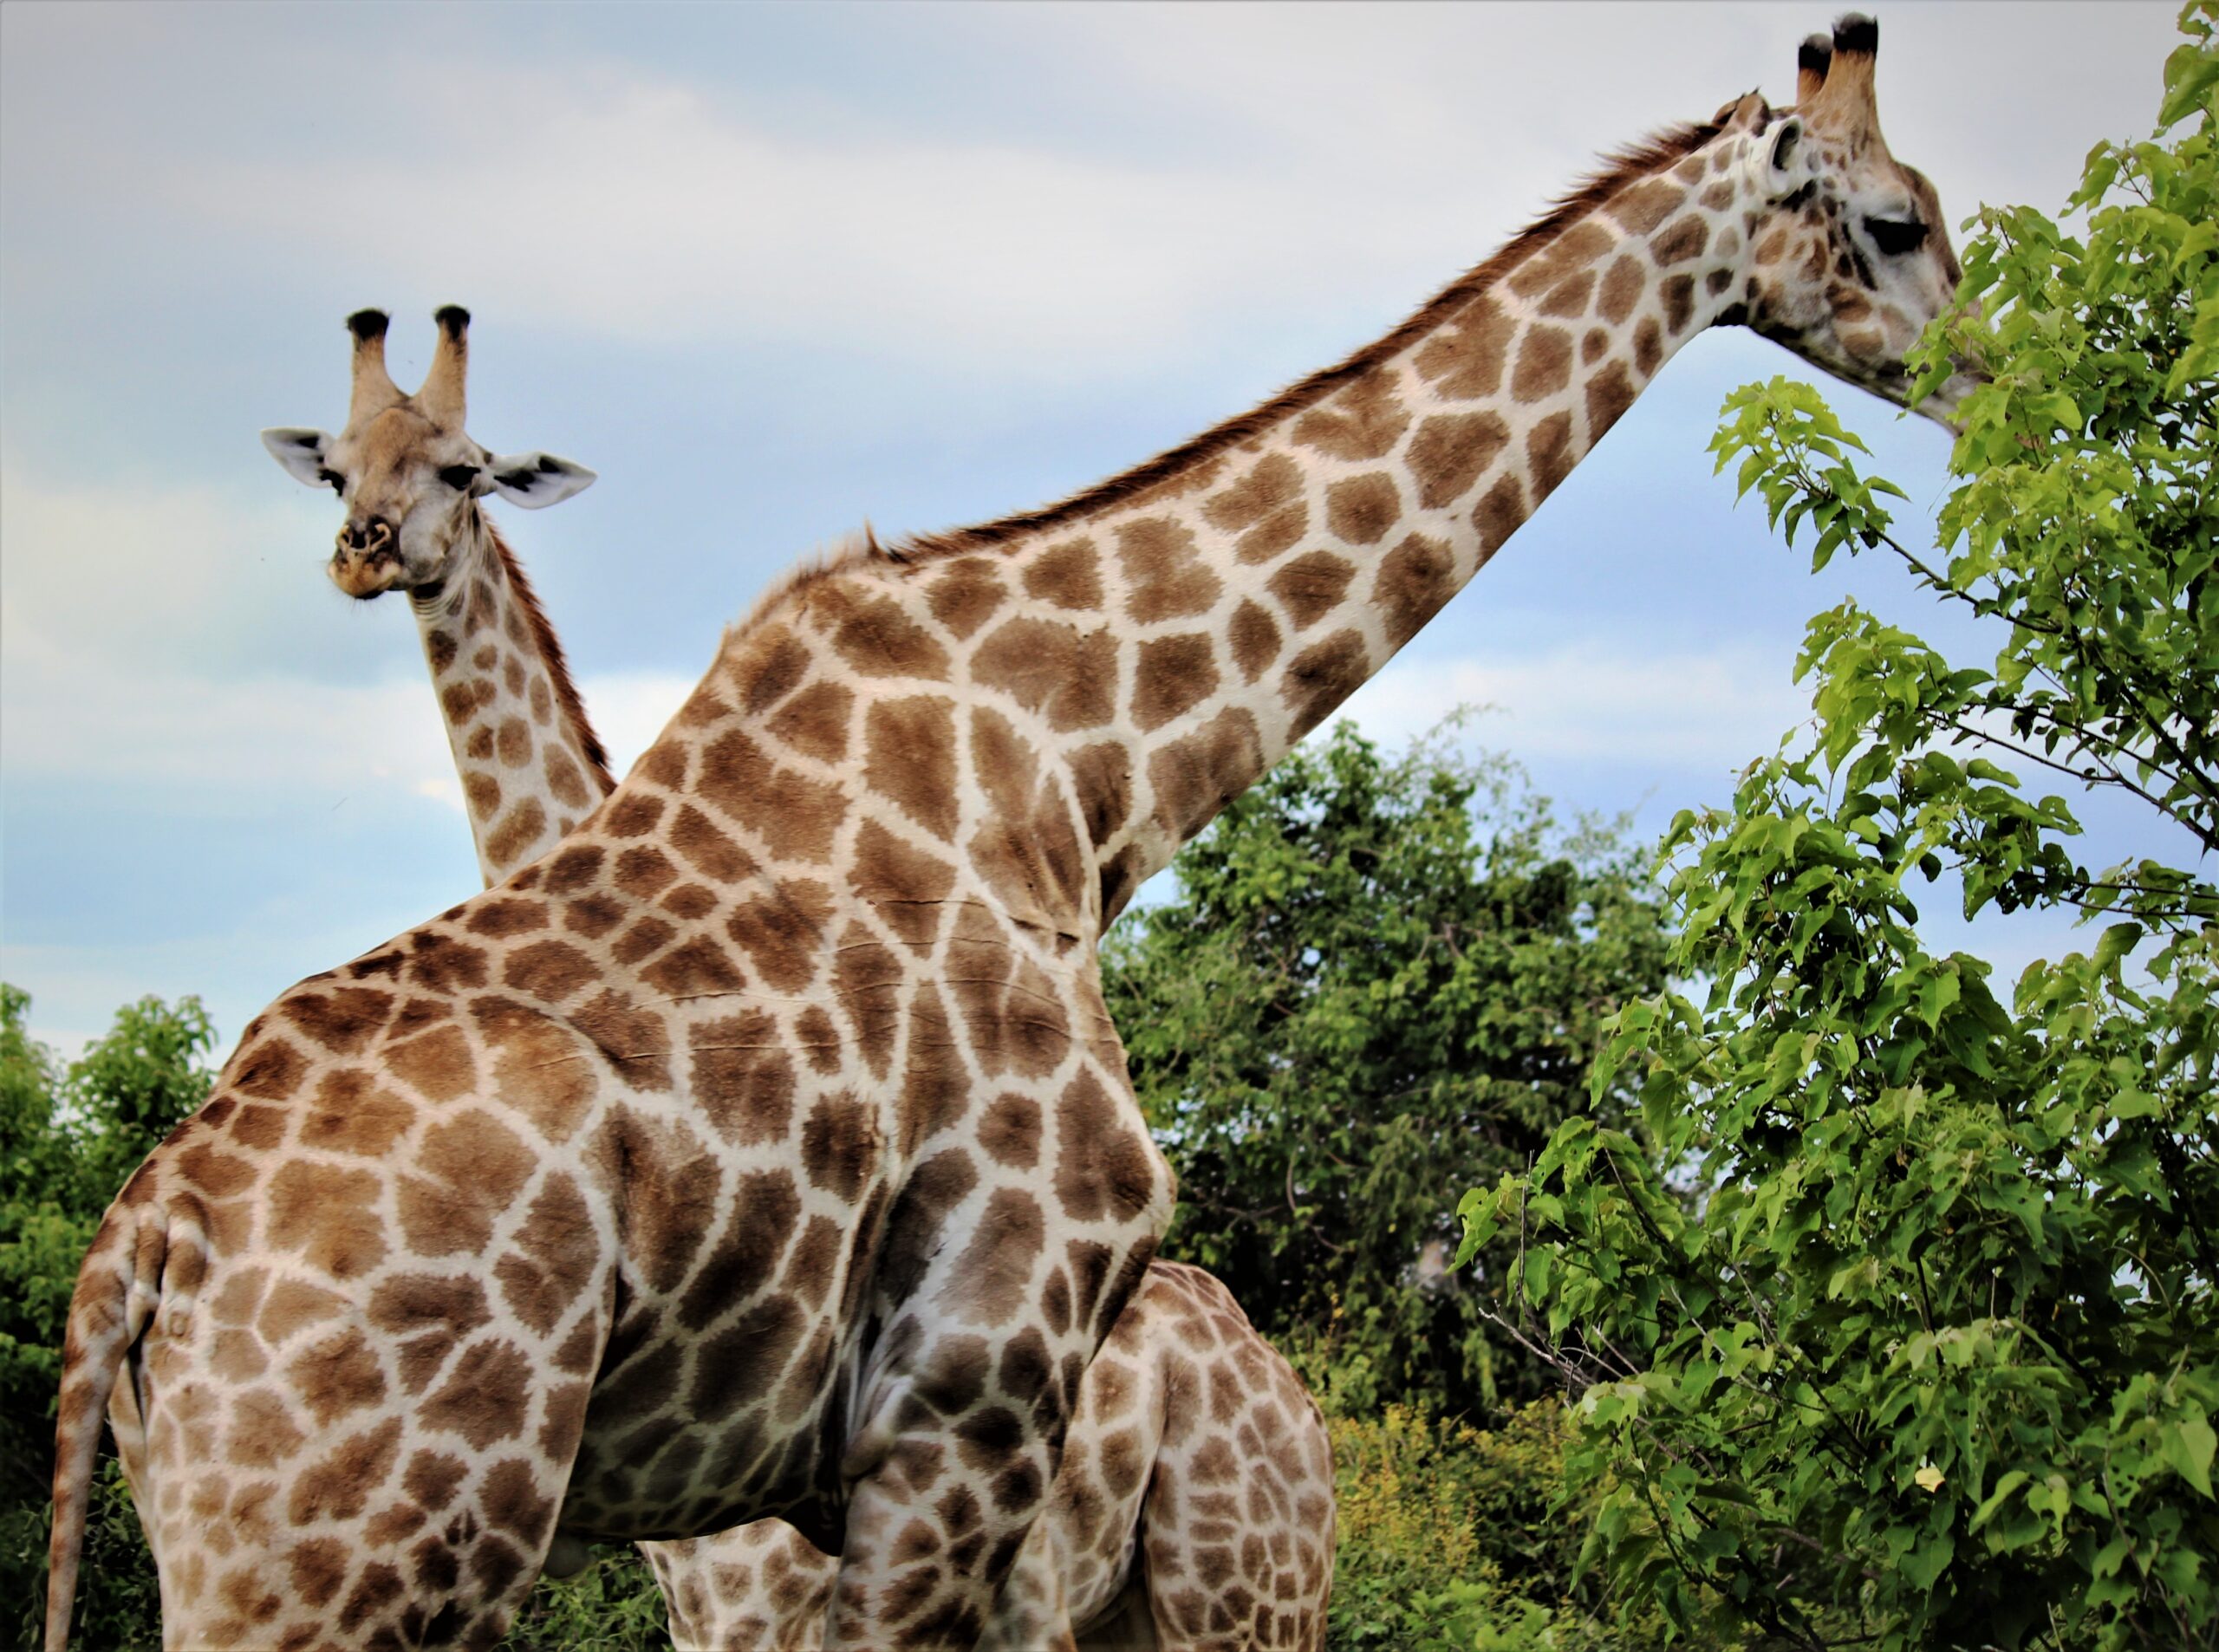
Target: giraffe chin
<point>364,576</point>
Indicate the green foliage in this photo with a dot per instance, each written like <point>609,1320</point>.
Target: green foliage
<point>1458,1539</point>
<point>1373,969</point>
<point>1916,1345</point>
<point>612,1606</point>
<point>118,1602</point>
<point>68,1137</point>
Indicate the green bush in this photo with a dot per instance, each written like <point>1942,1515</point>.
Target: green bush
<point>1454,1538</point>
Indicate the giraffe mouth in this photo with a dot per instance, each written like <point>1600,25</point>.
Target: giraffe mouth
<point>365,574</point>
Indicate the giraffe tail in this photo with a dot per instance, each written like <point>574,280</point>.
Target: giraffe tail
<point>118,1289</point>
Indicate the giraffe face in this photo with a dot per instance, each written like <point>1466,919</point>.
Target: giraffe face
<point>409,473</point>
<point>1849,258</point>
<point>407,486</point>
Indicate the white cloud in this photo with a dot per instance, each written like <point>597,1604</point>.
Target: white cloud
<point>178,638</point>
<point>629,708</point>
<point>169,575</point>
<point>81,715</point>
<point>224,677</point>
<point>1589,702</point>
<point>640,209</point>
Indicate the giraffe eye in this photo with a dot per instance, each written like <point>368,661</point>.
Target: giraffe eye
<point>459,477</point>
<point>332,479</point>
<point>1896,236</point>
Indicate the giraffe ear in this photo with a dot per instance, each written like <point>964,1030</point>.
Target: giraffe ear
<point>1784,166</point>
<point>534,480</point>
<point>301,452</point>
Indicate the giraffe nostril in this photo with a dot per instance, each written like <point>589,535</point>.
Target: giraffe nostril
<point>358,537</point>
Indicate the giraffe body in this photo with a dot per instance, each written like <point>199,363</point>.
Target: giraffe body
<point>1194,1498</point>
<point>766,1149</point>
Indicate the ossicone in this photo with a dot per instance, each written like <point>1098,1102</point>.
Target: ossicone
<point>441,397</point>
<point>1857,35</point>
<point>1838,98</point>
<point>1811,59</point>
<point>374,389</point>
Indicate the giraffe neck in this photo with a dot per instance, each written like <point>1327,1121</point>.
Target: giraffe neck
<point>1255,578</point>
<point>530,765</point>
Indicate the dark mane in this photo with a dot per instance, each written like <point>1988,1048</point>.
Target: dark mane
<point>558,669</point>
<point>1617,172</point>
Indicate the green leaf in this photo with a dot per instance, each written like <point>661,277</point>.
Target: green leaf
<point>2189,77</point>
<point>2005,1485</point>
<point>2186,1446</point>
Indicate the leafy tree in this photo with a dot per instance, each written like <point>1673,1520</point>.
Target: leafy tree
<point>68,1137</point>
<point>1371,964</point>
<point>1917,1346</point>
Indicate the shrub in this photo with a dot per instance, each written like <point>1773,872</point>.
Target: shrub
<point>1454,1538</point>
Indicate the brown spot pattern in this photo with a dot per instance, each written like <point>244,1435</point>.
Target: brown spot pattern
<point>1311,586</point>
<point>1165,571</point>
<point>1415,579</point>
<point>909,759</point>
<point>1451,451</point>
<point>1174,675</point>
<point>1362,422</point>
<point>1464,360</point>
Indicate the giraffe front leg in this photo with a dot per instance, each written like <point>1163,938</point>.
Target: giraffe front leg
<point>947,1476</point>
<point>994,1302</point>
<point>1033,1611</point>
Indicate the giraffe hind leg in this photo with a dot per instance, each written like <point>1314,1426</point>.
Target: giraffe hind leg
<point>349,1513</point>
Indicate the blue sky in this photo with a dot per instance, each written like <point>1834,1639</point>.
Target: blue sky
<point>776,269</point>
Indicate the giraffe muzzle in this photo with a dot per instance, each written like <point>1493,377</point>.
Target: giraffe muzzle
<point>366,560</point>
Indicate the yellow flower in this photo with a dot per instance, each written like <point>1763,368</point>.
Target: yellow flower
<point>1928,1479</point>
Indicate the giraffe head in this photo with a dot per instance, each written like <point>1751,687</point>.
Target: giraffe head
<point>1850,258</point>
<point>408,472</point>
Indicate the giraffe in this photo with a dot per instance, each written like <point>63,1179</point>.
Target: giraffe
<point>1182,1389</point>
<point>529,763</point>
<point>766,1149</point>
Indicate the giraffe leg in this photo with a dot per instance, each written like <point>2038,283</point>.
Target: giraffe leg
<point>997,1283</point>
<point>1237,1523</point>
<point>757,1588</point>
<point>1033,1612</point>
<point>341,1511</point>
<point>949,1473</point>
<point>947,1476</point>
<point>1128,1626</point>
